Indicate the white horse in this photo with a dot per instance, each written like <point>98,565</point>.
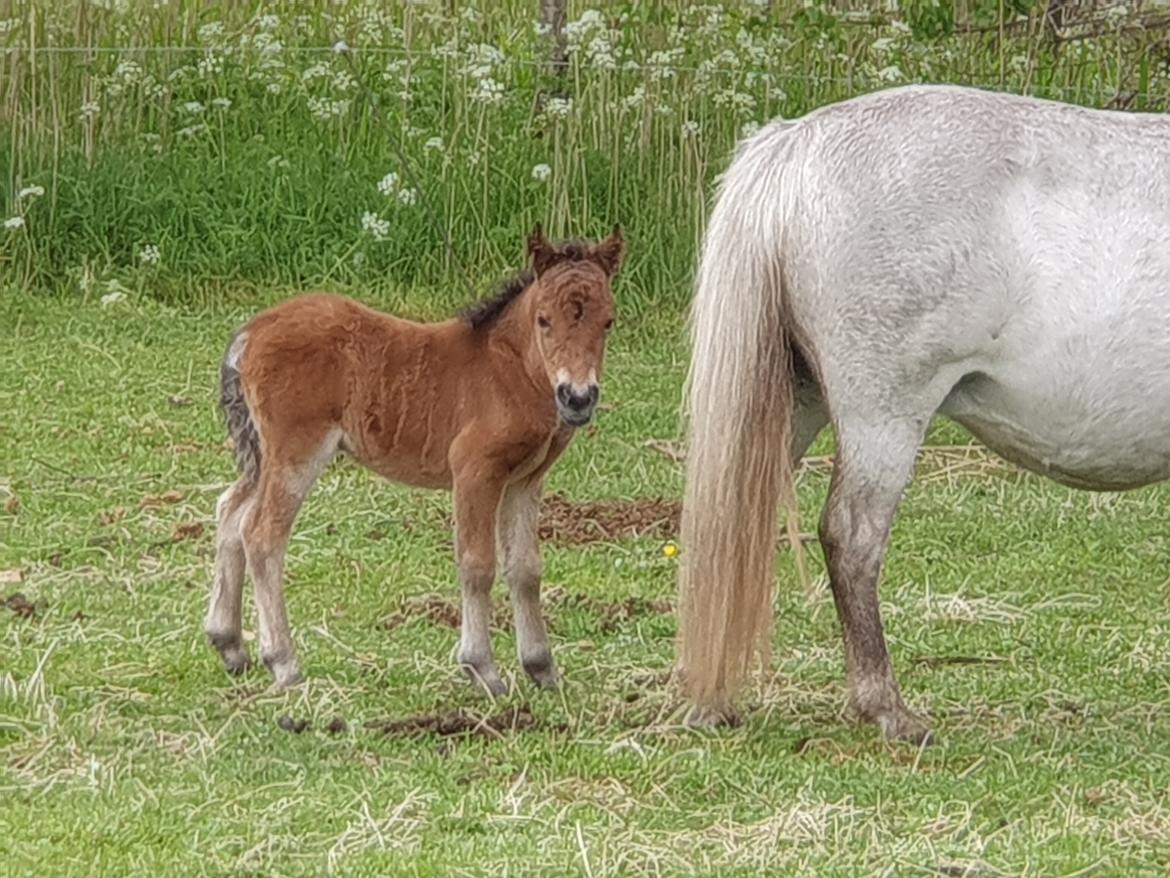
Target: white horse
<point>1001,260</point>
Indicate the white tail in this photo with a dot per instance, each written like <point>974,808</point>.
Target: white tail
<point>739,409</point>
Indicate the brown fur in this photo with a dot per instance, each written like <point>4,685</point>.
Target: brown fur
<point>482,405</point>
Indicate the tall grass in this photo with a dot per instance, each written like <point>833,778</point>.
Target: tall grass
<point>188,147</point>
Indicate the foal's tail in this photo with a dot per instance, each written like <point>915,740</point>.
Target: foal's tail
<point>739,408</point>
<point>240,425</point>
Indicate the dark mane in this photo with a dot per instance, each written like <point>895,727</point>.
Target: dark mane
<point>486,312</point>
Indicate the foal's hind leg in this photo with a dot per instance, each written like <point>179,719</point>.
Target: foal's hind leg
<point>874,462</point>
<point>223,613</point>
<point>284,483</point>
<point>519,546</point>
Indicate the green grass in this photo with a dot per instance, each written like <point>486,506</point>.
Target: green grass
<point>125,749</point>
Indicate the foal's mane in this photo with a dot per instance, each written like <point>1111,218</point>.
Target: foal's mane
<point>485,313</point>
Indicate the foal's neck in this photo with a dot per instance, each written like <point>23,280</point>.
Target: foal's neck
<point>514,331</point>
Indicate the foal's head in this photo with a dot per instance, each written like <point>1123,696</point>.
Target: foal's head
<point>573,311</point>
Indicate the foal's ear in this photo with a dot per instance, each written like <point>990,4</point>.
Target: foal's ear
<point>540,251</point>
<point>608,254</point>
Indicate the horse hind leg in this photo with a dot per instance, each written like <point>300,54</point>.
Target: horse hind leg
<point>874,462</point>
<point>223,623</point>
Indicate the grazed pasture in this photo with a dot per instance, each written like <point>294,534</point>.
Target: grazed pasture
<point>1027,620</point>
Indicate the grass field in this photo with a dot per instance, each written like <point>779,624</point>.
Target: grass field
<point>1028,621</point>
<point>167,167</point>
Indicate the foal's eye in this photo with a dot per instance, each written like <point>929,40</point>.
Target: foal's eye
<point>609,324</point>
<point>543,322</point>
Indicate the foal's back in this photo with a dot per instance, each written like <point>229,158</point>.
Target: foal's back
<point>335,373</point>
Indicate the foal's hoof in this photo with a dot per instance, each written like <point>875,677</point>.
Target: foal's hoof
<point>488,680</point>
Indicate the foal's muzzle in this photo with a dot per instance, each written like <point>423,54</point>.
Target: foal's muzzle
<point>576,402</point>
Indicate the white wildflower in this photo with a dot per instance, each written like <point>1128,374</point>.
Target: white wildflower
<point>149,255</point>
<point>893,73</point>
<point>433,143</point>
<point>325,109</point>
<point>408,196</point>
<point>635,99</point>
<point>388,184</point>
<point>268,22</point>
<point>690,128</point>
<point>340,47</point>
<point>558,108</point>
<point>881,46</point>
<point>128,71</point>
<point>274,88</point>
<point>749,129</point>
<point>193,107</point>
<point>110,298</point>
<point>343,80</point>
<point>221,103</point>
<point>90,109</point>
<point>14,222</point>
<point>378,228</point>
<point>210,32</point>
<point>210,64</point>
<point>316,71</point>
<point>192,130</point>
<point>488,91</point>
<point>30,192</point>
<point>541,172</point>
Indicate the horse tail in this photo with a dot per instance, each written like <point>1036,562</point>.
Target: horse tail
<point>739,418</point>
<point>240,425</point>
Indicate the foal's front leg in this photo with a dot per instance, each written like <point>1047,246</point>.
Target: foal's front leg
<point>519,546</point>
<point>477,499</point>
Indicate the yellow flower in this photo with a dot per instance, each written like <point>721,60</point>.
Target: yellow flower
<point>670,550</point>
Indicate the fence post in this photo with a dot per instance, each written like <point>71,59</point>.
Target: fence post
<point>552,21</point>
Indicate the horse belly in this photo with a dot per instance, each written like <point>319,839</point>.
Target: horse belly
<point>1086,428</point>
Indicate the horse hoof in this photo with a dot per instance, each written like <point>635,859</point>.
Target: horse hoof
<point>905,727</point>
<point>290,680</point>
<point>722,716</point>
<point>542,672</point>
<point>237,663</point>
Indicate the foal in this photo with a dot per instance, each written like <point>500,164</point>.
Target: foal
<point>482,404</point>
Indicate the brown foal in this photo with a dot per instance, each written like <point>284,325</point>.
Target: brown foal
<point>482,404</point>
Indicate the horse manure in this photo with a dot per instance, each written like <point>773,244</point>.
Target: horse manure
<point>20,605</point>
<point>336,726</point>
<point>459,722</point>
<point>296,726</point>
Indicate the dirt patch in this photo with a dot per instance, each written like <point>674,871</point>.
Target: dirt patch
<point>20,605</point>
<point>187,530</point>
<point>438,610</point>
<point>459,722</point>
<point>575,523</point>
<point>610,614</point>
